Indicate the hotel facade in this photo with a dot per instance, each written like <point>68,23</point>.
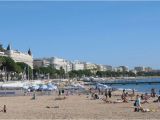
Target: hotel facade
<point>18,56</point>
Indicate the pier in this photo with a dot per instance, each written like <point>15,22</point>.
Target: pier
<point>124,82</point>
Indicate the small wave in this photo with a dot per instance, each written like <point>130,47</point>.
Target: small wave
<point>121,89</point>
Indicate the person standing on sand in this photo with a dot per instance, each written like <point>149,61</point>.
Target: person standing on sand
<point>124,91</point>
<point>106,94</point>
<point>109,93</point>
<point>59,92</point>
<point>34,95</point>
<point>99,91</point>
<point>153,92</point>
<point>4,109</point>
<point>133,91</point>
<point>159,92</point>
<point>62,91</point>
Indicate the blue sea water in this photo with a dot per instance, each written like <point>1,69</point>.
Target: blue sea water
<point>145,88</point>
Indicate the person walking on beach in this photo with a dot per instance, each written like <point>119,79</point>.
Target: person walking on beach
<point>137,104</point>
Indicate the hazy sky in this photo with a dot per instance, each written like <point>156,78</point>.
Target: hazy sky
<point>113,33</point>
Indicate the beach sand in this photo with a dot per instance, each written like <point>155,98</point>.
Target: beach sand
<point>73,107</point>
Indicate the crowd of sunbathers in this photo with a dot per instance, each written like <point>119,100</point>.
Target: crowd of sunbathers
<point>140,99</point>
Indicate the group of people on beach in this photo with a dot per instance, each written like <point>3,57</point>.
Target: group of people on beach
<point>145,97</point>
<point>107,93</point>
<point>138,101</point>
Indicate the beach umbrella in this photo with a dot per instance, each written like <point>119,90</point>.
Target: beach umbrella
<point>26,87</point>
<point>34,87</point>
<point>51,87</point>
<point>43,87</point>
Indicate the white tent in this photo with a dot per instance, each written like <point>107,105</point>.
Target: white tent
<point>12,85</point>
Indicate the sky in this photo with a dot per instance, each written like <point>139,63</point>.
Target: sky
<point>112,33</point>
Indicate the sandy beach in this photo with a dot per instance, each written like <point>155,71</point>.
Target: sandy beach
<point>73,107</point>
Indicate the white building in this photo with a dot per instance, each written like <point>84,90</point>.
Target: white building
<point>18,56</point>
<point>69,66</point>
<point>140,69</point>
<point>118,69</point>
<point>90,66</point>
<point>133,71</point>
<point>3,54</point>
<point>124,68</point>
<point>148,69</point>
<point>77,65</point>
<point>101,68</point>
<point>41,63</point>
<point>121,69</point>
<point>108,67</point>
<point>57,63</point>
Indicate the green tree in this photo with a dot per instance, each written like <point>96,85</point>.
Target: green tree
<point>1,48</point>
<point>62,72</point>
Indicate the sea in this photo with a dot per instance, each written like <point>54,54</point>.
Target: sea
<point>144,88</point>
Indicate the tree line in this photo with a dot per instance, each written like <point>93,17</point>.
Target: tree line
<point>88,73</point>
<point>16,70</point>
<point>10,69</point>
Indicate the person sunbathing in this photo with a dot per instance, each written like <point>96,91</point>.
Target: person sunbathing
<point>131,96</point>
<point>145,101</point>
<point>117,101</point>
<point>145,98</point>
<point>144,109</point>
<point>158,100</point>
<point>124,98</point>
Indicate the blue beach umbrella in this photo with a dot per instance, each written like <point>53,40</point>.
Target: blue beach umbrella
<point>43,87</point>
<point>34,87</point>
